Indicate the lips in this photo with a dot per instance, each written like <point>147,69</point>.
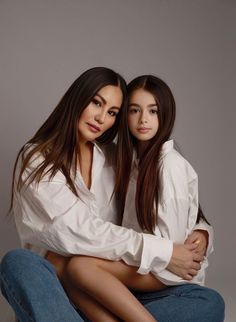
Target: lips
<point>143,129</point>
<point>93,128</point>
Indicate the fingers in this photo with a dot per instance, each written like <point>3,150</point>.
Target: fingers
<point>196,266</point>
<point>188,277</point>
<point>191,239</point>
<point>193,272</point>
<point>198,257</point>
<point>200,251</point>
<point>192,246</point>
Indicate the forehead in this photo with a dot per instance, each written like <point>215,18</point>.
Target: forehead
<point>142,97</point>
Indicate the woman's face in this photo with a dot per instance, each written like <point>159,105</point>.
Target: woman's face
<point>143,119</point>
<point>100,114</point>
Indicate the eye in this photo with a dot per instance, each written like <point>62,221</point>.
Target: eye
<point>96,102</point>
<point>133,110</point>
<point>153,111</point>
<point>112,113</point>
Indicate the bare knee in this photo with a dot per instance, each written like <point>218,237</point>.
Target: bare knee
<point>81,268</point>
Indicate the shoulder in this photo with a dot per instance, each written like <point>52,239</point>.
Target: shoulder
<point>174,166</point>
<point>29,162</point>
<point>28,152</point>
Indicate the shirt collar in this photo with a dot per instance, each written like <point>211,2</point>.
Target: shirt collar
<point>97,147</point>
<point>98,157</point>
<point>166,147</point>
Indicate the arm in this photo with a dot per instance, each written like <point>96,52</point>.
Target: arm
<point>177,213</point>
<point>50,216</point>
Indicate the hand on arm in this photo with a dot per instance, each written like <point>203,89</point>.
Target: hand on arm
<point>208,231</point>
<point>199,238</point>
<point>185,261</point>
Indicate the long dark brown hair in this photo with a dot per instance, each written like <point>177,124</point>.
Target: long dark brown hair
<point>57,139</point>
<point>147,189</point>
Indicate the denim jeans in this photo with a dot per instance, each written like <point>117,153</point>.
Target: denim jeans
<point>30,285</point>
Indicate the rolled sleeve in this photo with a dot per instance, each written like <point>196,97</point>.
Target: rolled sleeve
<point>156,254</point>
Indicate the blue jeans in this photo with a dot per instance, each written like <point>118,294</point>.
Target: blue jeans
<point>30,285</point>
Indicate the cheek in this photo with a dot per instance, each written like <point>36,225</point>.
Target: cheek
<point>88,111</point>
<point>110,122</point>
<point>131,121</point>
<point>156,123</point>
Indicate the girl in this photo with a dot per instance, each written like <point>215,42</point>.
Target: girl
<point>165,201</point>
<point>63,185</point>
<point>163,185</point>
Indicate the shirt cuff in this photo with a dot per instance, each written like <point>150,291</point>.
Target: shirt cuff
<point>156,254</point>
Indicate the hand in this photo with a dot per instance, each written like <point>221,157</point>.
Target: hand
<point>199,237</point>
<point>185,262</point>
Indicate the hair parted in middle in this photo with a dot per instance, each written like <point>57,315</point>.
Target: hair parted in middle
<point>57,139</point>
<point>148,175</point>
<point>148,183</point>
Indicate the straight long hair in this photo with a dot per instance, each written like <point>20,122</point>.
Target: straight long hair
<point>148,185</point>
<point>57,139</point>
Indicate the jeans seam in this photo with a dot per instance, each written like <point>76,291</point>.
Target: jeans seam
<point>6,285</point>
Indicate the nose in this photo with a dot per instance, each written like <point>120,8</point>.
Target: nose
<point>100,117</point>
<point>143,118</point>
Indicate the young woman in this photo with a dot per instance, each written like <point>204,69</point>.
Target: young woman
<point>160,187</point>
<point>62,183</point>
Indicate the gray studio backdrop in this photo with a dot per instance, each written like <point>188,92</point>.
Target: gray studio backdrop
<point>45,45</point>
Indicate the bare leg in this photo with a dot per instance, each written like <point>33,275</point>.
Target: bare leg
<point>89,306</point>
<point>106,282</point>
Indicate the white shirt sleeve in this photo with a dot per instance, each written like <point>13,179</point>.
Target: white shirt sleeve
<point>48,215</point>
<point>178,202</point>
<point>177,211</point>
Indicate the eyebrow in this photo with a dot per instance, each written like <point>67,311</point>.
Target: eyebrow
<point>104,102</point>
<point>102,98</point>
<point>137,105</point>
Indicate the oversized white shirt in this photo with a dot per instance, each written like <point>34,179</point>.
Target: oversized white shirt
<point>49,216</point>
<point>177,207</point>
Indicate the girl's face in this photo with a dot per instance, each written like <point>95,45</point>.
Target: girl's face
<point>100,114</point>
<point>142,115</point>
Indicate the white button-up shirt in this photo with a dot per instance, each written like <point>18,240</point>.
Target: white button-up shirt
<point>49,216</point>
<point>177,207</point>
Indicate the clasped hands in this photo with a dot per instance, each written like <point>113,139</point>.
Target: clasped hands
<point>186,258</point>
